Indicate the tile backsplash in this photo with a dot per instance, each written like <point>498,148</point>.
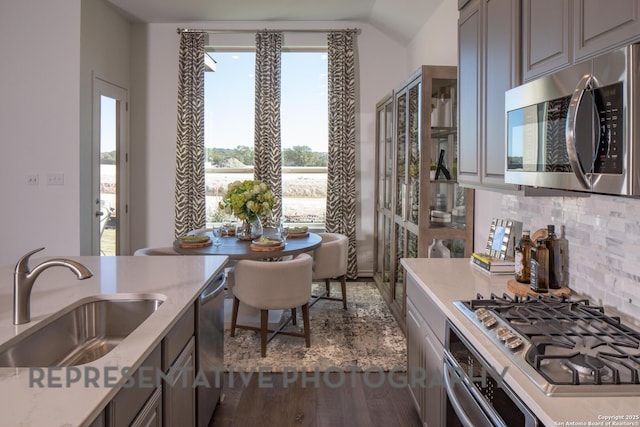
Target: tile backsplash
<point>604,242</point>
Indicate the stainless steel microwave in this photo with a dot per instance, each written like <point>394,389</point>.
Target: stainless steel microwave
<point>577,129</point>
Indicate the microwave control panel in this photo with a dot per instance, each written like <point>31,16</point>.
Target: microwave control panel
<point>609,105</point>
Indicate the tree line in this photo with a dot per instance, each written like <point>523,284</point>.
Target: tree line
<point>298,155</point>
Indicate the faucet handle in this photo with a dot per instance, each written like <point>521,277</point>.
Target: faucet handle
<point>23,263</point>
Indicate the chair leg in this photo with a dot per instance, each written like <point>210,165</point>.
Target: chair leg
<point>294,315</point>
<point>234,316</point>
<point>343,284</point>
<point>327,284</point>
<point>305,321</point>
<point>264,317</point>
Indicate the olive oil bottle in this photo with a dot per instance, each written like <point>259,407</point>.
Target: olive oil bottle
<point>523,258</point>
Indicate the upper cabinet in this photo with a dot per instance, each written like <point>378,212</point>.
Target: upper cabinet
<point>489,64</point>
<point>557,33</point>
<point>602,24</point>
<point>503,43</point>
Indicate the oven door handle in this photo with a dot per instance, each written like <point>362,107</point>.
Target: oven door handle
<point>588,81</point>
<point>484,414</point>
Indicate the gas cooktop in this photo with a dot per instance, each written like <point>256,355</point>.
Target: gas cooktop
<point>564,346</point>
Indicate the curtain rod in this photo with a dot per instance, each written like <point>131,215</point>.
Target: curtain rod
<point>193,30</point>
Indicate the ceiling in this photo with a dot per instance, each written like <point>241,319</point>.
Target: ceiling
<point>400,19</point>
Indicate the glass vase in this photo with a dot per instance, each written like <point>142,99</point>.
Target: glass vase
<point>250,229</point>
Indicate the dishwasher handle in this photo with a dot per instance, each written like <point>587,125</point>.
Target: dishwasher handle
<point>214,288</point>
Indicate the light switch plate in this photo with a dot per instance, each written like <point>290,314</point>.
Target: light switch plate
<point>55,178</point>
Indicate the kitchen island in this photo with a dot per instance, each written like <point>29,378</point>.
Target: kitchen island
<point>56,401</point>
<point>445,281</point>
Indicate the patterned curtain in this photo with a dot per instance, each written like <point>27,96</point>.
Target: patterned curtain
<point>267,150</point>
<point>190,210</point>
<point>341,173</point>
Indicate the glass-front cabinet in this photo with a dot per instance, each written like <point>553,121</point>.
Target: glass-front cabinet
<point>421,211</point>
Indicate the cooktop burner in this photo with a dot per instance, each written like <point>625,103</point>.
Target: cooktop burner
<point>563,345</point>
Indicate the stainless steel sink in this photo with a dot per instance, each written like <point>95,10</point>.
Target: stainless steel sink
<point>78,334</point>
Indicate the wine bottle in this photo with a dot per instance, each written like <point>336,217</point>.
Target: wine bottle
<point>554,255</point>
<point>523,258</point>
<point>561,259</point>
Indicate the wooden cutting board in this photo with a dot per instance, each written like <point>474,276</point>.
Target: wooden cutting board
<point>195,245</point>
<point>523,289</point>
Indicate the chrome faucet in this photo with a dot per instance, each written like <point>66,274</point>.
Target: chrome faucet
<point>23,280</point>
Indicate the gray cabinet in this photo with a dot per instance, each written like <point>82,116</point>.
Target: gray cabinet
<point>178,363</point>
<point>546,36</point>
<point>180,393</point>
<point>557,33</point>
<point>147,402</point>
<point>425,353</point>
<point>489,52</point>
<point>603,24</point>
<point>133,399</point>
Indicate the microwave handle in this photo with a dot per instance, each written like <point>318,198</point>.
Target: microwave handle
<point>587,81</point>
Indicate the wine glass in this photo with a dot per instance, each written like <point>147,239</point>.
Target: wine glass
<point>284,233</point>
<point>217,231</point>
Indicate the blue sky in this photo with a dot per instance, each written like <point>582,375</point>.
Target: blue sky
<point>229,95</point>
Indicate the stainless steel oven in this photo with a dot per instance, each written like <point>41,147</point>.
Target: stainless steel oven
<point>475,392</point>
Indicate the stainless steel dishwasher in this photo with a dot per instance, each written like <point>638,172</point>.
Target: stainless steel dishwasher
<point>210,344</point>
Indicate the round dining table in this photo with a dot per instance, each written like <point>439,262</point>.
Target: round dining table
<point>237,249</point>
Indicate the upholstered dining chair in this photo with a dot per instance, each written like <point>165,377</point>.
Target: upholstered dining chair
<point>330,262</point>
<point>278,285</point>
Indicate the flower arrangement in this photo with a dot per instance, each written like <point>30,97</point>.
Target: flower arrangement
<point>248,199</point>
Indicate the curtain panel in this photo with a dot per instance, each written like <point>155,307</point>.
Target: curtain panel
<point>341,170</point>
<point>267,137</point>
<point>190,210</point>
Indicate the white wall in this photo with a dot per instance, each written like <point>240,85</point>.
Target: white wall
<point>381,65</point>
<point>39,127</point>
<point>437,41</point>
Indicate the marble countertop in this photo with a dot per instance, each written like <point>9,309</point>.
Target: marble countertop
<point>450,280</point>
<point>176,280</point>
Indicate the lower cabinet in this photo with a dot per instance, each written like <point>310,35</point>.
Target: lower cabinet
<point>180,393</point>
<point>425,354</point>
<point>133,401</point>
<point>146,401</point>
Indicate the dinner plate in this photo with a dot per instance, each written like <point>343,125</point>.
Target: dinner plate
<point>271,242</point>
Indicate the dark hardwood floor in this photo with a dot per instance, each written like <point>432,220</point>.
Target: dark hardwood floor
<point>316,399</point>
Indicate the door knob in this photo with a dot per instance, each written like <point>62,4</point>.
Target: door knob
<point>99,213</point>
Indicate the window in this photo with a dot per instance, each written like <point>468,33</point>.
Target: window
<point>229,131</point>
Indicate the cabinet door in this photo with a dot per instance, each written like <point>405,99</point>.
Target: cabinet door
<point>546,32</point>
<point>180,393</point>
<point>469,79</point>
<point>151,413</point>
<point>501,72</point>
<point>602,24</point>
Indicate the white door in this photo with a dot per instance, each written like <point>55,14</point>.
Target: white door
<point>110,223</point>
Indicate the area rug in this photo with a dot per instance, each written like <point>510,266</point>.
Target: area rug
<point>366,336</point>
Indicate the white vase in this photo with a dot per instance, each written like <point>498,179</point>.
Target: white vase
<point>437,249</point>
